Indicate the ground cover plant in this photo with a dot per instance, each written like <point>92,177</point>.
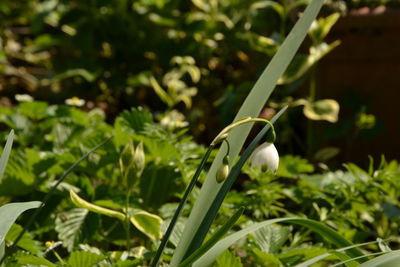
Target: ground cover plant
<point>141,192</point>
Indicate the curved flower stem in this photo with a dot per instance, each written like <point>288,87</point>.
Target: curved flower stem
<point>228,146</point>
<point>201,232</point>
<point>224,133</point>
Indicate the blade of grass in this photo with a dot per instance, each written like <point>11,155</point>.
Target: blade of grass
<point>322,256</point>
<point>216,204</point>
<point>250,108</point>
<point>364,256</point>
<point>329,234</point>
<point>390,259</point>
<point>6,153</point>
<point>213,239</point>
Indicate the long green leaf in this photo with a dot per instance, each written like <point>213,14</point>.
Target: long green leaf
<point>251,107</point>
<point>391,259</point>
<point>178,211</point>
<point>322,256</point>
<point>10,212</point>
<point>219,198</point>
<point>6,153</point>
<point>329,234</point>
<point>214,239</point>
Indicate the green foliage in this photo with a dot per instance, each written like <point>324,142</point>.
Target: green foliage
<point>228,259</point>
<point>26,242</point>
<point>84,259</point>
<point>166,157</point>
<point>361,205</point>
<point>33,260</point>
<point>73,226</point>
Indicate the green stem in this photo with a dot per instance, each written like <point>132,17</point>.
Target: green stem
<point>224,133</point>
<point>312,96</point>
<point>178,211</point>
<point>59,258</point>
<point>127,222</point>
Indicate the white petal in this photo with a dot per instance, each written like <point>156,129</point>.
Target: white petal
<point>265,156</point>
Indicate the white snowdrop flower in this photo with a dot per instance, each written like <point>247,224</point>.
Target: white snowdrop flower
<point>265,157</point>
<point>75,101</point>
<point>23,98</point>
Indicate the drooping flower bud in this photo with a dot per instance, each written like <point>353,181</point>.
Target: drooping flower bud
<point>223,171</point>
<point>132,163</point>
<point>265,157</point>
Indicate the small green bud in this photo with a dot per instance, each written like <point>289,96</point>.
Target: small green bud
<point>126,156</point>
<point>223,171</point>
<point>132,163</point>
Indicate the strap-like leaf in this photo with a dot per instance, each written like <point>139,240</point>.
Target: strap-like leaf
<point>6,153</point>
<point>250,108</point>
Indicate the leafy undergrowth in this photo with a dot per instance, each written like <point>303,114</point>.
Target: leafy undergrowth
<point>361,205</point>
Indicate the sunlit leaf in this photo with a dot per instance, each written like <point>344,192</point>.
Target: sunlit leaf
<point>228,258</point>
<point>31,260</point>
<point>10,212</point>
<point>147,223</point>
<point>325,109</point>
<point>84,259</point>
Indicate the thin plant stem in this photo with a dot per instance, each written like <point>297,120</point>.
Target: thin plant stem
<point>58,257</point>
<point>127,222</point>
<point>178,211</point>
<point>311,98</point>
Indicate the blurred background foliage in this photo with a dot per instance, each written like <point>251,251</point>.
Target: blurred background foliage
<point>196,57</point>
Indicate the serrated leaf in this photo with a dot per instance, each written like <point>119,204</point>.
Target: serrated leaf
<point>72,226</point>
<point>130,122</point>
<point>84,259</point>
<point>267,259</point>
<point>33,260</point>
<point>34,110</point>
<point>271,237</point>
<point>228,258</point>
